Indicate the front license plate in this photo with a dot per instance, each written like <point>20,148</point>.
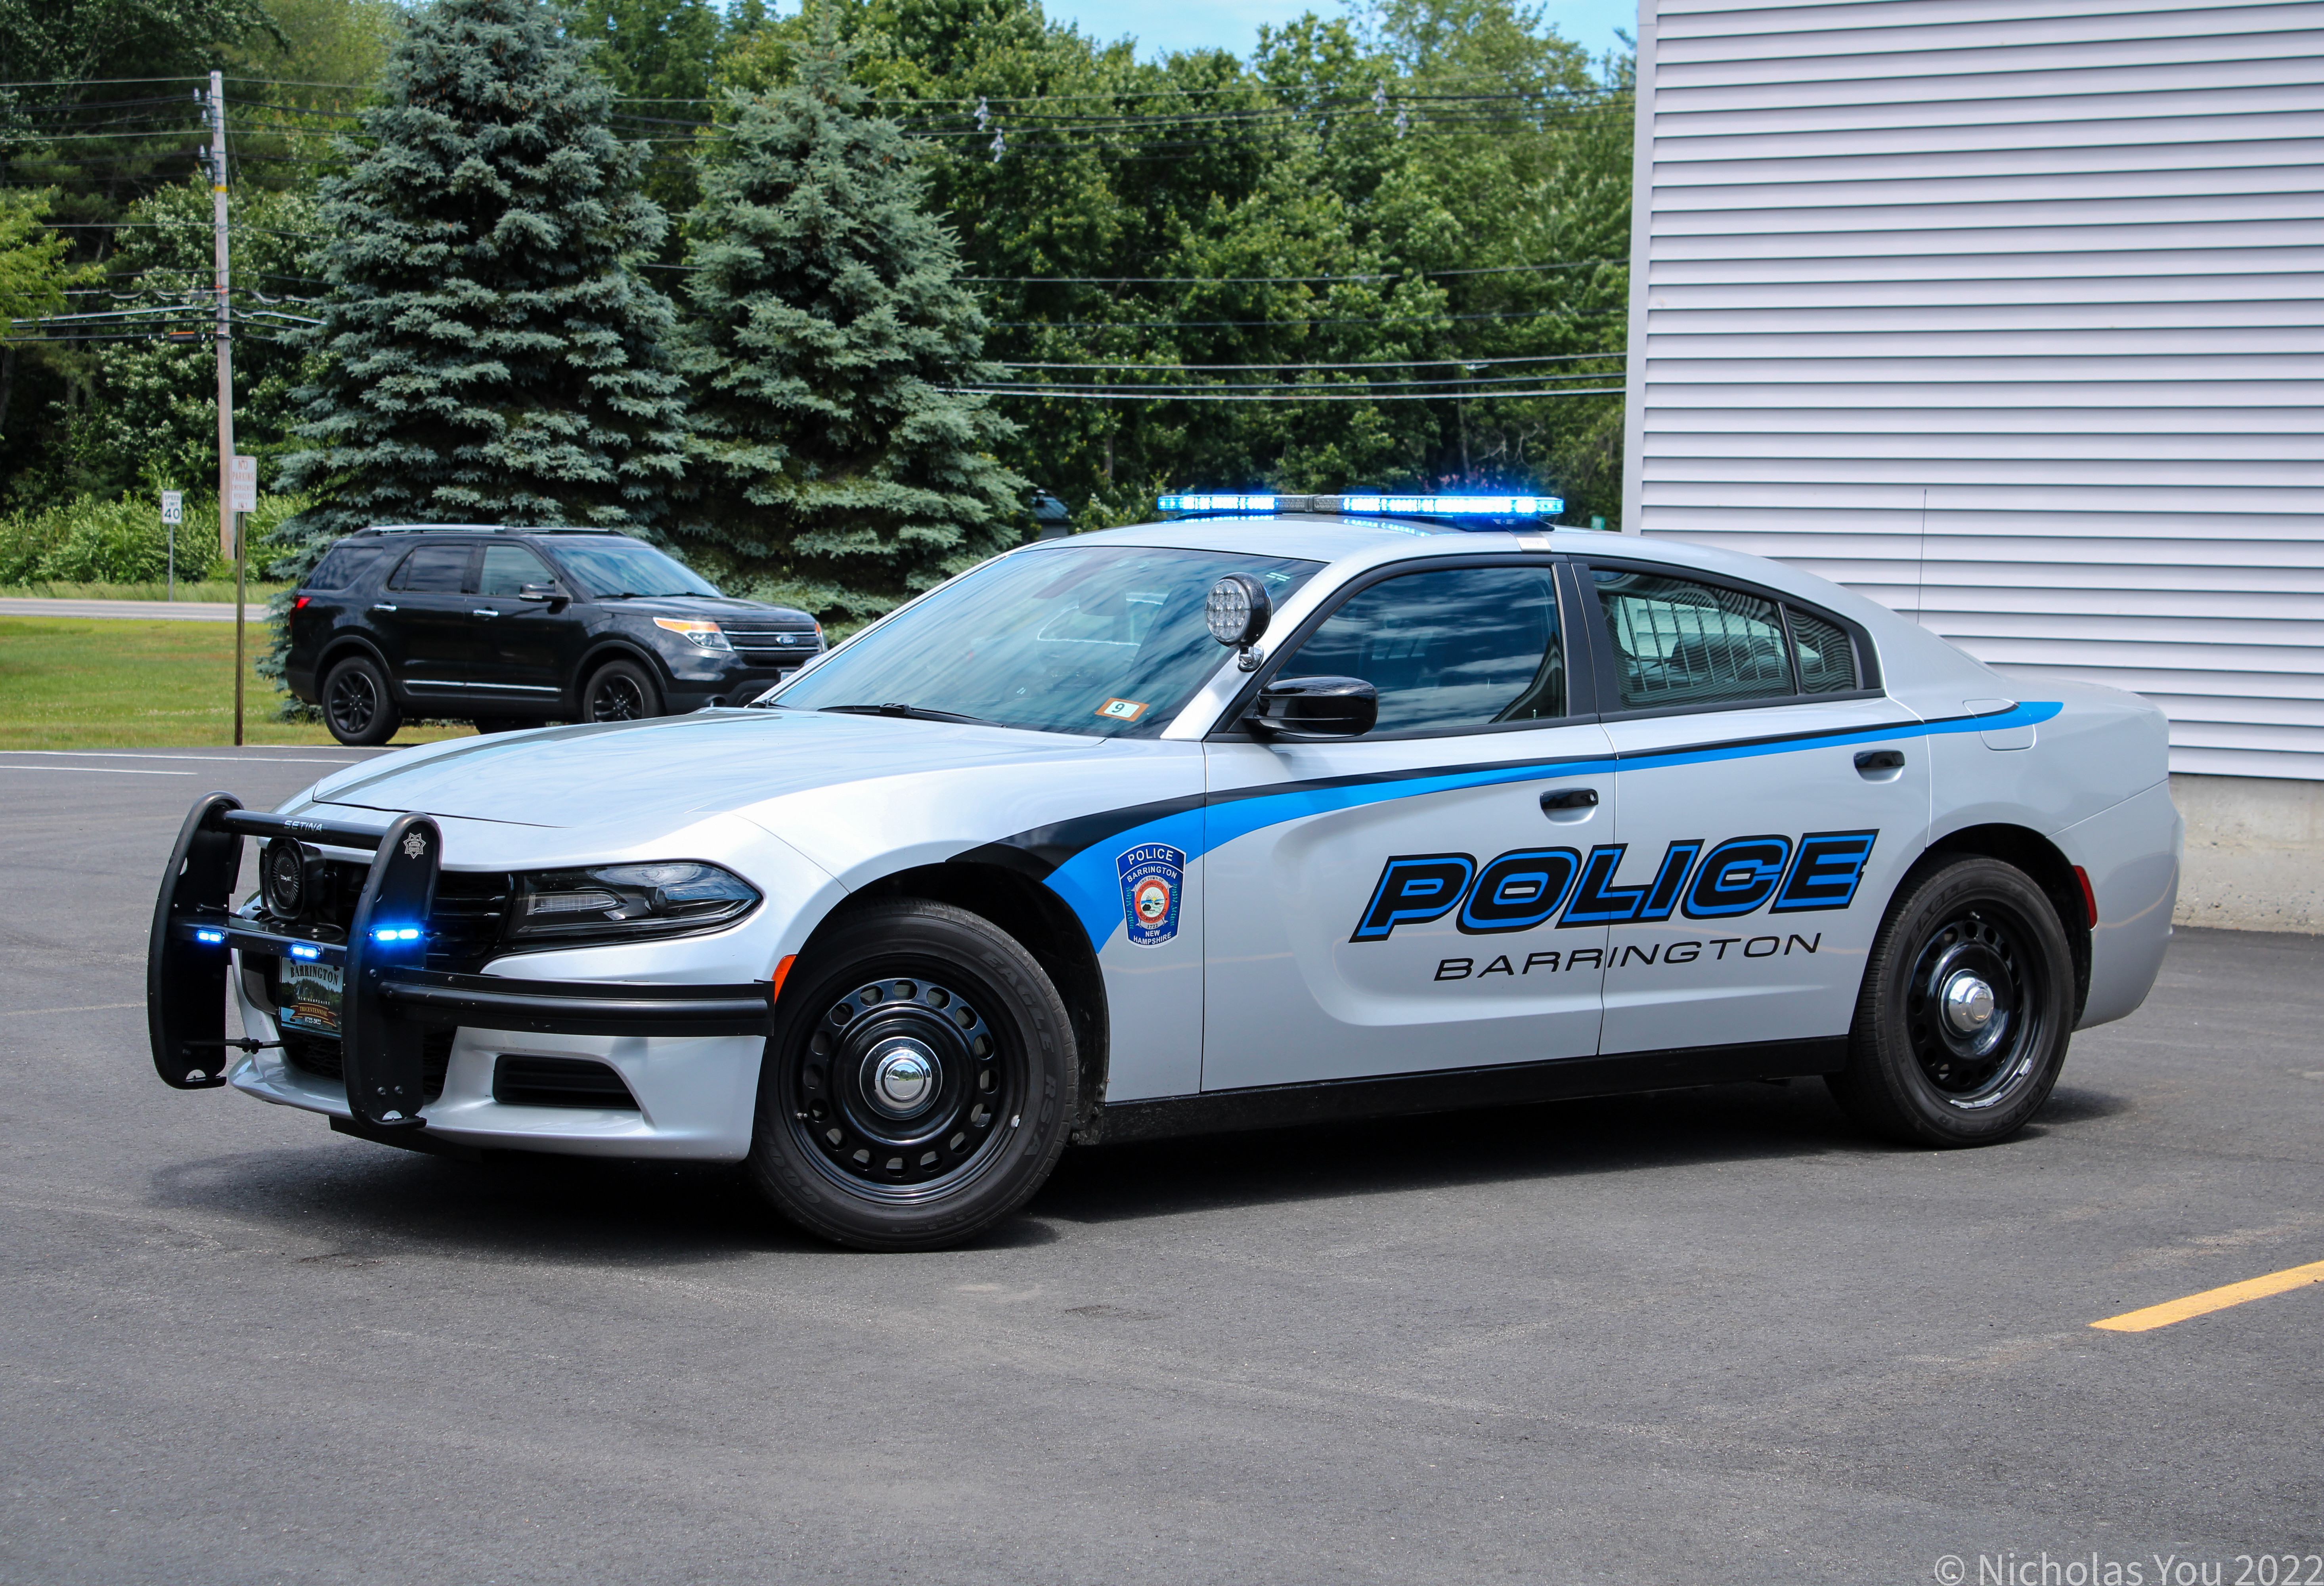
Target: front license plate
<point>311,994</point>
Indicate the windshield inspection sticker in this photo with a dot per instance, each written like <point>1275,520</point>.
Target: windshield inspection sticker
<point>1151,876</point>
<point>1120,710</point>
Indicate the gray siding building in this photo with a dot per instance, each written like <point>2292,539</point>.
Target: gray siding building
<point>2011,316</point>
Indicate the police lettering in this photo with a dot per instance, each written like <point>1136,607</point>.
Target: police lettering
<point>1527,888</point>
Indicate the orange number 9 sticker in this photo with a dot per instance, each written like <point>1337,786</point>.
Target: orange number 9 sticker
<point>1122,709</point>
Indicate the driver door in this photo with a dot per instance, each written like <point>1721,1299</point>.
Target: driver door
<point>1391,904</point>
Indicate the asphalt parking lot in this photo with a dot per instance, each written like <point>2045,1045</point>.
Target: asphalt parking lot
<point>1708,1335</point>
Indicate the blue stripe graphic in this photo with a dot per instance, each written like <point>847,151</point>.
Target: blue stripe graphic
<point>1090,887</point>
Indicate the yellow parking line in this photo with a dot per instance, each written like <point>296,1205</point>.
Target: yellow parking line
<point>2210,1300</point>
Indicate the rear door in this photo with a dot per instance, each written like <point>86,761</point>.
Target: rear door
<point>424,615</point>
<point>1388,903</point>
<point>1770,798</point>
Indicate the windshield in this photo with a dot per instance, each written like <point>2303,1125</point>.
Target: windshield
<point>608,569</point>
<point>1102,639</point>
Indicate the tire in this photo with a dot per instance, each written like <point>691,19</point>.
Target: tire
<point>358,706</point>
<point>1923,1072</point>
<point>946,1150</point>
<point>620,690</point>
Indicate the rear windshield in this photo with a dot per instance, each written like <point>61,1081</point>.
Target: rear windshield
<point>1105,640</point>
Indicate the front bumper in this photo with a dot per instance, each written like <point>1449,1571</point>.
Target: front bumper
<point>392,1003</point>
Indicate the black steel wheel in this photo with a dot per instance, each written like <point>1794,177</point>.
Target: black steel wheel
<point>620,690</point>
<point>357,705</point>
<point>920,1082</point>
<point>1966,1012</point>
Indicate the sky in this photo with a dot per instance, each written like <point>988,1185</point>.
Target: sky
<point>1164,25</point>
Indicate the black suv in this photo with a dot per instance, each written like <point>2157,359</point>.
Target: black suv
<point>514,627</point>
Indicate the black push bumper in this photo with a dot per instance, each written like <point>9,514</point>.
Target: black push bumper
<point>392,998</point>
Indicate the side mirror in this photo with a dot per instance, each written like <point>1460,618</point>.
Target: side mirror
<point>1313,710</point>
<point>554,597</point>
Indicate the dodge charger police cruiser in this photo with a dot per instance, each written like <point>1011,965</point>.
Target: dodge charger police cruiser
<point>1280,810</point>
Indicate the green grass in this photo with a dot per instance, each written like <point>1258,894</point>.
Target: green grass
<point>116,683</point>
<point>220,590</point>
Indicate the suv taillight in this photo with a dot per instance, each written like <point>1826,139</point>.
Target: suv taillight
<point>300,603</point>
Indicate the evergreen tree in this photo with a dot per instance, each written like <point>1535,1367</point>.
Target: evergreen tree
<point>834,467</point>
<point>488,353</point>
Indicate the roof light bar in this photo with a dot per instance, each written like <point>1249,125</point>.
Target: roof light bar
<point>1455,506</point>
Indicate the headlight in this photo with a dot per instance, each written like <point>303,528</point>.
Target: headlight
<point>707,635</point>
<point>621,902</point>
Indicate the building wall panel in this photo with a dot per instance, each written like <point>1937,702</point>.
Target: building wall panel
<point>2010,315</point>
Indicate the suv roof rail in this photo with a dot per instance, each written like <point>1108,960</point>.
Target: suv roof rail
<point>483,529</point>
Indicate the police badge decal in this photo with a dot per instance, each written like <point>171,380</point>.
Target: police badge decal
<point>1151,876</point>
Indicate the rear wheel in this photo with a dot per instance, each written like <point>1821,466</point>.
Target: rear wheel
<point>919,1084</point>
<point>1966,1011</point>
<point>357,706</point>
<point>620,690</point>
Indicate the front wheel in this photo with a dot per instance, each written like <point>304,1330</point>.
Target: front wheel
<point>620,690</point>
<point>919,1084</point>
<point>1967,1007</point>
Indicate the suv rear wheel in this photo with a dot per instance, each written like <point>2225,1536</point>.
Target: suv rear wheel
<point>357,707</point>
<point>620,690</point>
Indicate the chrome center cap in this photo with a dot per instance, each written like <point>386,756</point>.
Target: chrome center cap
<point>1967,1003</point>
<point>902,1075</point>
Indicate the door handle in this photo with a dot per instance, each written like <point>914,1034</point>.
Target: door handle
<point>382,606</point>
<point>483,613</point>
<point>1570,798</point>
<point>1872,762</point>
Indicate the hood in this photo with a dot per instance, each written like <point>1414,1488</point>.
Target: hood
<point>710,606</point>
<point>640,772</point>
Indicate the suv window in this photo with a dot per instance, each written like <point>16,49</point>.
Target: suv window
<point>345,565</point>
<point>1447,649</point>
<point>434,570</point>
<point>508,568</point>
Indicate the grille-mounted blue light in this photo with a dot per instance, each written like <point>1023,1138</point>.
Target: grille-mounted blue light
<point>212,938</point>
<point>300,950</point>
<point>395,934</point>
<point>1452,506</point>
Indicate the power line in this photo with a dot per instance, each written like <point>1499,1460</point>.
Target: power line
<point>1070,395</point>
<point>1269,279</point>
<point>1564,357</point>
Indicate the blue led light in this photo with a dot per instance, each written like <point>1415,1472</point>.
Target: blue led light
<point>1456,506</point>
<point>1218,504</point>
<point>214,938</point>
<point>300,950</point>
<point>396,933</point>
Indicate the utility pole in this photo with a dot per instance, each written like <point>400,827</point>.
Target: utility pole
<point>229,527</point>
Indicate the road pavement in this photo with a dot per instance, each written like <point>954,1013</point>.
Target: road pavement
<point>150,610</point>
<point>1703,1336</point>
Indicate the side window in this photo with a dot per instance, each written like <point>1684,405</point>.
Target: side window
<point>434,570</point>
<point>508,568</point>
<point>1679,642</point>
<point>345,567</point>
<point>1826,654</point>
<point>1452,648</point>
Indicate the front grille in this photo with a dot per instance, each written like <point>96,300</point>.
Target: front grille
<point>464,929</point>
<point>560,1081</point>
<point>320,1056</point>
<point>770,642</point>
